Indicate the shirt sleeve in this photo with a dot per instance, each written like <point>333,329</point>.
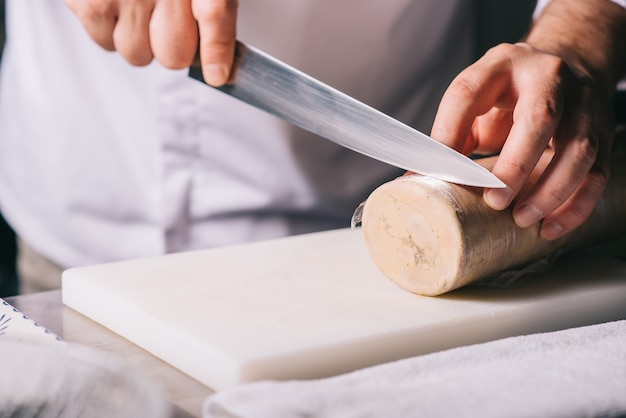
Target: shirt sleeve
<point>541,4</point>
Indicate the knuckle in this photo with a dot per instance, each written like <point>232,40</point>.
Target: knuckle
<point>585,152</point>
<point>136,52</point>
<point>215,50</point>
<point>139,60</point>
<point>106,43</point>
<point>546,110</point>
<point>464,88</point>
<point>136,55</point>
<point>578,214</point>
<point>597,180</point>
<point>502,51</point>
<point>519,167</point>
<point>95,10</point>
<point>175,61</point>
<point>580,209</point>
<point>557,195</point>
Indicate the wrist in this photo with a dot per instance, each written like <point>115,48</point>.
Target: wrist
<point>596,50</point>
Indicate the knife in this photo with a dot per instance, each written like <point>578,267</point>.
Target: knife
<point>275,87</point>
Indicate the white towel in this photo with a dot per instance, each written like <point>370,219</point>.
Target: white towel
<point>579,372</point>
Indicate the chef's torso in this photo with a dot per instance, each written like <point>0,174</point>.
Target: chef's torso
<point>102,161</point>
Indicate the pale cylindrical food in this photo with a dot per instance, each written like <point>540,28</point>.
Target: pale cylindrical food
<point>431,237</point>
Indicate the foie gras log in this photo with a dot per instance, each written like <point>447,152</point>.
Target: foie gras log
<point>431,237</point>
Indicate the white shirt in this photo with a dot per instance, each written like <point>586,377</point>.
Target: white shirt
<point>541,4</point>
<point>101,161</point>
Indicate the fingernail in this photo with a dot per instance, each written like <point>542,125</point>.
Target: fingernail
<point>551,230</point>
<point>527,215</point>
<point>498,198</point>
<point>214,74</point>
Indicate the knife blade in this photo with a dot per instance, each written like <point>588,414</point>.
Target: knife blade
<point>279,89</point>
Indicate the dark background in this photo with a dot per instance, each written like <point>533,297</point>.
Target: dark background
<point>8,250</point>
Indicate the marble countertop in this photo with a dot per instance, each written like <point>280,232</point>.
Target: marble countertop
<point>184,393</point>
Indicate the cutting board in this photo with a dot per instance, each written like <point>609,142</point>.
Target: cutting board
<point>315,305</point>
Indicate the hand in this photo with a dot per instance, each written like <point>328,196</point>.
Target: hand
<point>167,30</point>
<point>517,100</point>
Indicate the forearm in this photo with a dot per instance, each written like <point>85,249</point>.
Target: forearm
<point>589,35</point>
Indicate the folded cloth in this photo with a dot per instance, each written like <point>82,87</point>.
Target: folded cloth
<point>579,372</point>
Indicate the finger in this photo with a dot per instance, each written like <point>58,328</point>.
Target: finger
<point>173,34</point>
<point>536,115</point>
<point>217,21</point>
<point>492,128</point>
<point>471,94</point>
<point>98,19</point>
<point>590,148</point>
<point>131,35</point>
<point>577,207</point>
<point>575,151</point>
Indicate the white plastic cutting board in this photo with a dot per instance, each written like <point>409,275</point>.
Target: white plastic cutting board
<point>315,305</point>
